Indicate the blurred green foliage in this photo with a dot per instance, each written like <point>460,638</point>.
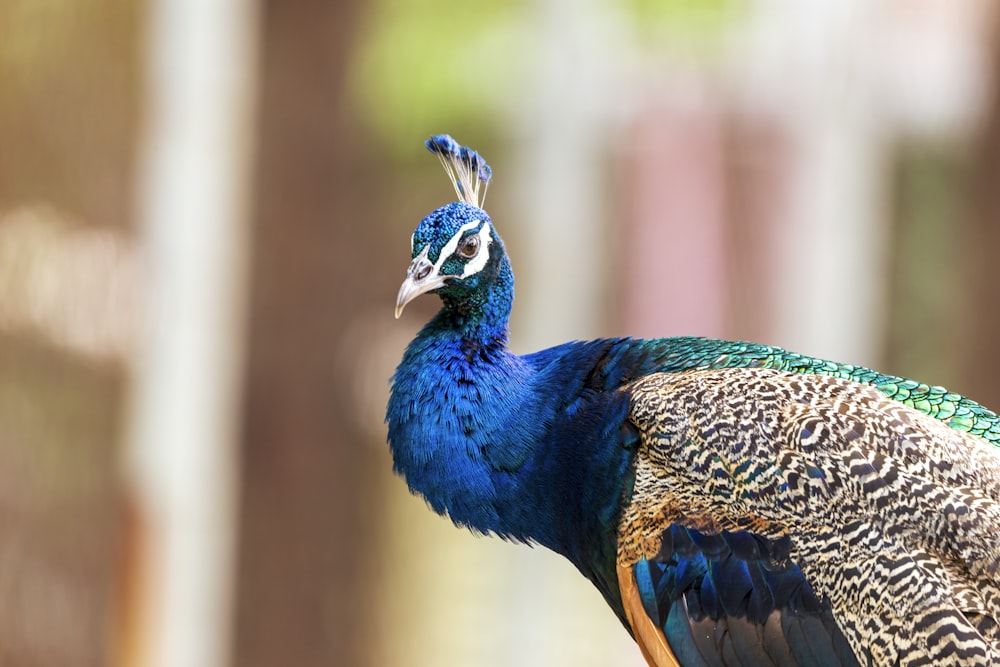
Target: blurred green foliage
<point>696,26</point>
<point>427,66</point>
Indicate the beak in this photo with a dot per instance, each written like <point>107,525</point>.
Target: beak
<point>421,277</point>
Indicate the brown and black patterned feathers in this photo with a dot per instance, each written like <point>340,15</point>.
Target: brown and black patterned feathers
<point>892,516</point>
<point>736,504</point>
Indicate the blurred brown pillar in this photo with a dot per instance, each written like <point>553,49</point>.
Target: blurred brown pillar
<point>982,356</point>
<point>299,594</point>
<point>69,99</point>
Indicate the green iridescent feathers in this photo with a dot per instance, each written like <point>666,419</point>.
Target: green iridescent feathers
<point>954,409</point>
<point>754,503</point>
<point>893,516</point>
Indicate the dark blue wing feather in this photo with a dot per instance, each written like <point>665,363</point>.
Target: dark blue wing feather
<point>734,599</point>
<point>546,448</point>
<point>731,582</point>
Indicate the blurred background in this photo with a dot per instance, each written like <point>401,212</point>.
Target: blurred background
<point>205,208</point>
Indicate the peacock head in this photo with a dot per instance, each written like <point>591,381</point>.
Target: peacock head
<point>455,251</point>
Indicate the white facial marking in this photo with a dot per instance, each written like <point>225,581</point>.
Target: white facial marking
<point>476,264</point>
<point>449,248</point>
<point>479,261</point>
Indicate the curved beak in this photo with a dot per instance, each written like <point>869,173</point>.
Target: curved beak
<point>421,277</point>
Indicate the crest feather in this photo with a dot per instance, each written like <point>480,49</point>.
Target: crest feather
<point>468,171</point>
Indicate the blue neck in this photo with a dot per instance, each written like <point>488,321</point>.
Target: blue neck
<point>478,316</point>
<point>485,436</point>
<point>453,424</point>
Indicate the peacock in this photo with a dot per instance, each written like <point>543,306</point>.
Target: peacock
<point>734,503</point>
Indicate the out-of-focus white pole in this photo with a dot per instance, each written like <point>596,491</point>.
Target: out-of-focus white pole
<point>562,269</point>
<point>807,64</point>
<point>181,458</point>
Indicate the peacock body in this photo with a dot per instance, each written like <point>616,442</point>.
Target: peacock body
<point>734,503</point>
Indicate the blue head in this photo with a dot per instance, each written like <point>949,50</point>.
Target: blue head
<point>455,251</point>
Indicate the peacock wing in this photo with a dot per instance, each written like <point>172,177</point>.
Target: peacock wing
<point>782,518</point>
<point>727,599</point>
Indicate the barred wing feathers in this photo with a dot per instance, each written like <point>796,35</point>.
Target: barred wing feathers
<point>833,525</point>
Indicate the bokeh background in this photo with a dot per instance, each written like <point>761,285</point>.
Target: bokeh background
<point>205,208</point>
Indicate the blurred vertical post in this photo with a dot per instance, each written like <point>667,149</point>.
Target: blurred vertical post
<point>560,156</point>
<point>307,497</point>
<point>829,244</point>
<point>182,460</point>
<point>981,357</point>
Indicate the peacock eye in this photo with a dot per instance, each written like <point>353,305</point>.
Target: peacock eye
<point>469,246</point>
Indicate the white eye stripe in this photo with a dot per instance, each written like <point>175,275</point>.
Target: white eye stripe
<point>449,248</point>
<point>479,261</point>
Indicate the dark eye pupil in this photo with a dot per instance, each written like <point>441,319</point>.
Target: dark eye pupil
<point>469,246</point>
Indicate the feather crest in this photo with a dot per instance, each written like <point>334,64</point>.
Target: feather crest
<point>468,171</point>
